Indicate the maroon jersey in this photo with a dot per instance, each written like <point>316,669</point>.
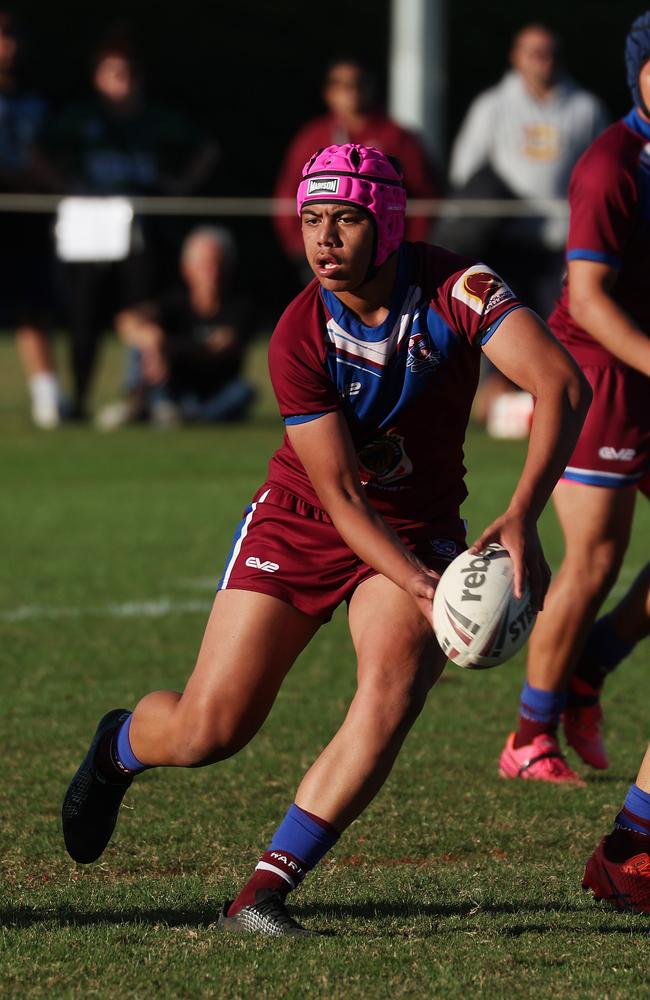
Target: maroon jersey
<point>420,179</point>
<point>609,198</point>
<point>405,387</point>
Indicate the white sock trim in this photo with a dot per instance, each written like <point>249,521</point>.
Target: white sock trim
<point>266,867</point>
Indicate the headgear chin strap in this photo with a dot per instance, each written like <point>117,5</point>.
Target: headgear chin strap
<point>362,176</point>
<point>637,53</point>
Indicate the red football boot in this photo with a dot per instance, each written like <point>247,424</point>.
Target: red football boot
<point>583,728</point>
<point>624,885</point>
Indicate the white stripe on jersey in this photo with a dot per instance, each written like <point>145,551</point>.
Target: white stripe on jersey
<point>238,544</point>
<point>378,352</point>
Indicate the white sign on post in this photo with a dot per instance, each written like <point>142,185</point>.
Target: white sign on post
<point>93,229</point>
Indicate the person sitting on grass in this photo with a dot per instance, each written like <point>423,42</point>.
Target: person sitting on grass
<point>187,351</point>
<point>374,366</point>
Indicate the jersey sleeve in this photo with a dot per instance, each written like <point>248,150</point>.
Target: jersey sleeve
<point>301,383</point>
<point>602,201</point>
<point>474,302</point>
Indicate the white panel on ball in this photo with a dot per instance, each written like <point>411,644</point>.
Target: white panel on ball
<point>477,619</point>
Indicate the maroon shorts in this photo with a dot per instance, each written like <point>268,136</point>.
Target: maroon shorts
<point>292,551</point>
<point>614,445</point>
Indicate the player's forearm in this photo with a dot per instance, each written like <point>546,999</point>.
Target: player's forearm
<point>601,317</point>
<point>370,538</point>
<point>559,414</point>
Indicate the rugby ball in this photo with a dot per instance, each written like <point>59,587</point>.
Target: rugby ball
<point>477,619</point>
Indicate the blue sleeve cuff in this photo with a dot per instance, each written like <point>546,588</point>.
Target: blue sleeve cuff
<point>497,323</point>
<point>600,256</point>
<point>303,418</point>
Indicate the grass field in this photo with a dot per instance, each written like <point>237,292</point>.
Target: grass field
<point>453,884</point>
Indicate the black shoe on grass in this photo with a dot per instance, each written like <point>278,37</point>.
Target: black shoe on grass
<point>267,915</point>
<point>91,803</point>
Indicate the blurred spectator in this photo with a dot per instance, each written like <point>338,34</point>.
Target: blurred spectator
<point>25,300</point>
<point>188,350</point>
<point>352,116</point>
<point>116,143</point>
<point>521,139</point>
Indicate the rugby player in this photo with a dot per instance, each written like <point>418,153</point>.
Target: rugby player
<point>603,318</point>
<point>374,366</point>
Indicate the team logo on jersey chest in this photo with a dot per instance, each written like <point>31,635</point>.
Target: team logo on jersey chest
<point>422,357</point>
<point>384,459</point>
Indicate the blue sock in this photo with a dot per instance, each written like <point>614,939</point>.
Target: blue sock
<point>539,712</point>
<point>123,755</point>
<point>635,814</point>
<point>301,836</point>
<point>298,844</point>
<point>603,652</point>
<point>541,706</point>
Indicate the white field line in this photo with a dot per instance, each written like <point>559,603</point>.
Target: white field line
<point>161,607</point>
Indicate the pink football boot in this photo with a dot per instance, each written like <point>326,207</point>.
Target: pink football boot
<point>541,760</point>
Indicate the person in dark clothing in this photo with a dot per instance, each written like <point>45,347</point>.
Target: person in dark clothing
<point>25,262</point>
<point>187,350</point>
<point>115,144</point>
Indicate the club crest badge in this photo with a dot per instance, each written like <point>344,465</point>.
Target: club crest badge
<point>422,357</point>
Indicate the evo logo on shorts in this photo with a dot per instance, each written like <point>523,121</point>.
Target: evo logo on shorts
<point>268,567</point>
<point>323,185</point>
<point>616,454</point>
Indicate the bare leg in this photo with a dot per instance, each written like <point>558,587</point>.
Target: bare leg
<point>34,351</point>
<point>398,662</point>
<point>643,777</point>
<point>596,524</point>
<point>250,643</point>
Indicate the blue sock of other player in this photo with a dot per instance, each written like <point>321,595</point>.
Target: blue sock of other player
<point>604,650</point>
<point>631,827</point>
<point>114,758</point>
<point>298,844</point>
<point>539,712</point>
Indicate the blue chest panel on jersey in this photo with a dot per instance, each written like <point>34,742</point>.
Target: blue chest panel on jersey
<point>378,371</point>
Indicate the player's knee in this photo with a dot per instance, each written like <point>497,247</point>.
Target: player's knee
<point>601,568</point>
<point>396,697</point>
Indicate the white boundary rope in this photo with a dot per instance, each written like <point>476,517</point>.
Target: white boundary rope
<point>265,207</point>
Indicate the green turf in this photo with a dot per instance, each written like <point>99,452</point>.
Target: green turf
<point>453,884</point>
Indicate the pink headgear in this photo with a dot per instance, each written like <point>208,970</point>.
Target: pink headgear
<point>363,176</point>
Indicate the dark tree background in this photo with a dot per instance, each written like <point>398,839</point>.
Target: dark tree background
<point>250,70</point>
